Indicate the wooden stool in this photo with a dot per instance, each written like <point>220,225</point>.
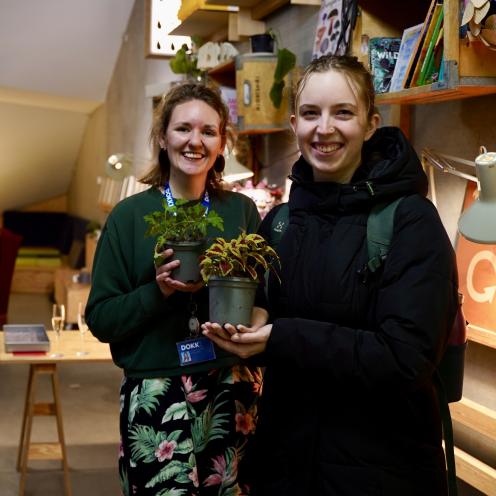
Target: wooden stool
<point>41,451</point>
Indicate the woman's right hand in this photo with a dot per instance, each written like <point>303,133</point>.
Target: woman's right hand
<point>169,285</point>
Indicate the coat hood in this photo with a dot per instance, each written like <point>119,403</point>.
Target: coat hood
<point>390,168</point>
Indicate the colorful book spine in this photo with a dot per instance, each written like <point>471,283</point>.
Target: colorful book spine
<point>416,51</point>
<point>434,41</point>
<point>432,24</point>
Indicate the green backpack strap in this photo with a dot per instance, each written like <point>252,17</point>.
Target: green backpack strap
<point>380,225</point>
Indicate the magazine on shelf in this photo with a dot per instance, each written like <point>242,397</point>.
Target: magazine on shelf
<point>383,53</point>
<point>25,337</point>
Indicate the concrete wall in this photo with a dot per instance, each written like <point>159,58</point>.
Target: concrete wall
<point>122,124</point>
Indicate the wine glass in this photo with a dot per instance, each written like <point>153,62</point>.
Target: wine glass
<point>83,327</point>
<point>58,320</point>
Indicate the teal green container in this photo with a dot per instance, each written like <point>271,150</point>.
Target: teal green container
<point>188,253</point>
<point>231,299</point>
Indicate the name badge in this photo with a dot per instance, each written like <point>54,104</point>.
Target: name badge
<point>195,350</point>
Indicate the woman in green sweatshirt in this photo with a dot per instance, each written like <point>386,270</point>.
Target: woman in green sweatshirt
<point>184,429</point>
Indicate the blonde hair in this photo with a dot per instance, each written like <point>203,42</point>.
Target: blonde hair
<point>355,72</point>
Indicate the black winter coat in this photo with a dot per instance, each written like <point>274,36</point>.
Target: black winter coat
<point>348,405</point>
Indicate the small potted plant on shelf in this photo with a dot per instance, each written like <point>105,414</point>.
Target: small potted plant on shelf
<point>232,270</point>
<point>185,61</point>
<point>183,228</point>
<point>286,61</point>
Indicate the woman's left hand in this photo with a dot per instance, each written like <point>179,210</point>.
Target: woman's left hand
<point>240,340</point>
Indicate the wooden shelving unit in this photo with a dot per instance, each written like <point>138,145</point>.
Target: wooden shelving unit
<point>470,70</point>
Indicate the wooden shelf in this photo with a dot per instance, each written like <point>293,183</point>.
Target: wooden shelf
<point>475,416</point>
<point>262,8</point>
<point>434,93</point>
<point>475,472</point>
<point>482,336</point>
<point>224,74</point>
<point>207,24</point>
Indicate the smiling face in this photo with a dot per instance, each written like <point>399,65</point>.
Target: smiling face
<point>193,140</point>
<point>331,126</point>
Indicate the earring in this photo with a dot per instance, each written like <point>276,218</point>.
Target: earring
<point>219,164</point>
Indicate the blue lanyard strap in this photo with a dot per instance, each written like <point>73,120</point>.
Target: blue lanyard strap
<point>171,202</point>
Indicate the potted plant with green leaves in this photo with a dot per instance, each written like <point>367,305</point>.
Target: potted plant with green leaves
<point>232,269</point>
<point>182,227</point>
<point>185,61</point>
<point>286,61</point>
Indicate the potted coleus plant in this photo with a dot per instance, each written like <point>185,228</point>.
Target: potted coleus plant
<point>182,227</point>
<point>232,270</point>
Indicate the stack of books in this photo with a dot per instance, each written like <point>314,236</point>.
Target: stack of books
<point>420,58</point>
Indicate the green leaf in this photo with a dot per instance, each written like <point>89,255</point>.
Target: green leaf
<point>209,426</point>
<point>172,492</point>
<point>170,471</point>
<point>145,442</point>
<point>175,412</point>
<point>286,60</point>
<point>150,390</point>
<point>275,93</point>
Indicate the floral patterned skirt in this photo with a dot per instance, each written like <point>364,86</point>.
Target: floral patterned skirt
<point>187,435</point>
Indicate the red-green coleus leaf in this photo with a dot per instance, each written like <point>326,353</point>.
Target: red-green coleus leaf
<point>252,272</point>
<point>226,267</point>
<point>260,259</point>
<point>216,248</point>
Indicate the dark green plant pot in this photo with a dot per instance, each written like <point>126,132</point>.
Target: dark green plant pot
<point>262,43</point>
<point>231,299</point>
<point>188,253</point>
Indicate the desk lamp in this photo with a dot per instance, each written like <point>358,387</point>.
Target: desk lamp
<point>478,222</point>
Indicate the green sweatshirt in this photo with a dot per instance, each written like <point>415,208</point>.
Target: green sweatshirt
<point>126,307</point>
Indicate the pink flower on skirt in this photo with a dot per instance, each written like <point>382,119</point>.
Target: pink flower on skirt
<point>192,396</point>
<point>244,423</point>
<point>165,450</point>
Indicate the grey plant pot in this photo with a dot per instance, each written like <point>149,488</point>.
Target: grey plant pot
<point>231,299</point>
<point>188,253</point>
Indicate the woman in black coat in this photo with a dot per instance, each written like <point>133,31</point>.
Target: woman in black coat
<point>348,404</point>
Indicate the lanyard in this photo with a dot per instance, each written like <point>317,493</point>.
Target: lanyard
<point>171,202</point>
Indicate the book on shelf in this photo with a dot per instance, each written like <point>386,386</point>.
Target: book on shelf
<point>418,45</point>
<point>383,53</point>
<point>25,338</point>
<point>409,41</point>
<point>434,70</point>
<point>438,9</point>
<point>436,37</point>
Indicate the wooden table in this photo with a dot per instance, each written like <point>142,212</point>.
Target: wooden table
<point>70,344</point>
